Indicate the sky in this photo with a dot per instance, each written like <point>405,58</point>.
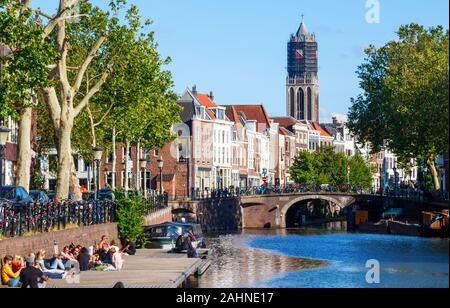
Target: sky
<point>238,48</point>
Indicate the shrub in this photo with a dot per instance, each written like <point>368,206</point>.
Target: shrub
<point>130,214</point>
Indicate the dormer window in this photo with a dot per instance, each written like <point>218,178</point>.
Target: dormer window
<point>200,112</point>
<point>220,114</point>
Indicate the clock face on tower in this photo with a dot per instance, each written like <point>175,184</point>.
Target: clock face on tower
<point>299,54</point>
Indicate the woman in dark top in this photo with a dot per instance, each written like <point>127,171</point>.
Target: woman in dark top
<point>84,259</point>
<point>128,247</point>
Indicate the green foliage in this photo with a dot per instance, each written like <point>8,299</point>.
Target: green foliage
<point>405,100</point>
<point>24,66</point>
<point>130,214</point>
<point>137,97</point>
<point>327,167</point>
<point>361,173</point>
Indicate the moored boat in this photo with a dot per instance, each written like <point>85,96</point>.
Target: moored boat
<point>164,236</point>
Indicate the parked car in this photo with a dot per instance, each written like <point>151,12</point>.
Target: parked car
<point>70,197</point>
<point>106,194</point>
<point>39,196</point>
<point>15,194</point>
<point>88,196</point>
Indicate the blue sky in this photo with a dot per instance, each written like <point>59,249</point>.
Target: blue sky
<point>237,48</point>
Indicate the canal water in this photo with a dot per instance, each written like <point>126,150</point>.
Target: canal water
<point>324,257</point>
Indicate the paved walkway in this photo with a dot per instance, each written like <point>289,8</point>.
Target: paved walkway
<point>148,269</point>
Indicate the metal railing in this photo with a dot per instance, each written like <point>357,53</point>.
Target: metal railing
<point>269,190</point>
<point>155,203</point>
<point>417,195</point>
<point>17,220</point>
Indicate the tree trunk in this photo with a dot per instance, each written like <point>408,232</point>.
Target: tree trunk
<point>127,147</point>
<point>24,156</point>
<point>138,167</point>
<point>434,174</point>
<point>74,182</point>
<point>65,159</point>
<point>114,154</point>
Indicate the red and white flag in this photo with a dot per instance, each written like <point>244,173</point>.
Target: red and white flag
<point>299,54</point>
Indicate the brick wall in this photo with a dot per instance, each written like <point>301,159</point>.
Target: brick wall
<point>84,236</point>
<point>220,215</point>
<point>159,217</point>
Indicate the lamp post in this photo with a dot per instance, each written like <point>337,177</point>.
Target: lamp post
<point>161,165</point>
<point>4,132</point>
<point>143,164</point>
<point>381,181</point>
<point>98,153</point>
<point>395,174</point>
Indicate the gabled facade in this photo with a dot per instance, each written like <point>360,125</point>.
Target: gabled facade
<point>259,133</point>
<point>211,135</point>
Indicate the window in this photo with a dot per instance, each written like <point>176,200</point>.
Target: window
<point>301,103</point>
<point>110,158</point>
<point>292,101</point>
<point>76,163</point>
<point>310,111</point>
<point>220,114</point>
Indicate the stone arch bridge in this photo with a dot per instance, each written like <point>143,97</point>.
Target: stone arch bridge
<point>271,210</point>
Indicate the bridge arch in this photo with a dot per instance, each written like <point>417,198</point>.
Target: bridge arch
<point>340,201</point>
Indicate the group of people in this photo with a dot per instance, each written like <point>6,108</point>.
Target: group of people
<point>36,269</point>
<point>184,243</point>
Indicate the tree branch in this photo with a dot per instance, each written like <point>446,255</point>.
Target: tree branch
<point>54,20</point>
<point>62,59</point>
<point>51,100</point>
<point>92,125</point>
<point>88,61</point>
<point>92,92</point>
<point>104,116</point>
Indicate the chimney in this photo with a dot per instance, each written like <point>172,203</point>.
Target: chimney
<point>194,90</point>
<point>211,96</point>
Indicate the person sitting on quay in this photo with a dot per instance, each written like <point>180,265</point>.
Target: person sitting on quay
<point>17,264</point>
<point>114,245</point>
<point>117,260</point>
<point>84,259</point>
<point>69,260</point>
<point>105,255</point>
<point>103,241</point>
<point>32,277</point>
<point>93,250</point>
<point>128,248</point>
<point>179,244</point>
<point>191,251</point>
<point>53,268</point>
<point>9,278</point>
<point>76,252</point>
<point>66,253</point>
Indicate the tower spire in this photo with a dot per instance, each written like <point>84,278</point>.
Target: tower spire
<point>302,30</point>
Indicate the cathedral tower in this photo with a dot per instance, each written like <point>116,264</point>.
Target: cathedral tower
<point>302,84</point>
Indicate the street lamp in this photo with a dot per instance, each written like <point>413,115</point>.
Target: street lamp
<point>98,154</point>
<point>4,133</point>
<point>143,165</point>
<point>381,181</point>
<point>161,165</point>
<point>395,174</point>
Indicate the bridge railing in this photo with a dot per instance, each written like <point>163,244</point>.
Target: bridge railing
<point>279,190</point>
<point>417,195</point>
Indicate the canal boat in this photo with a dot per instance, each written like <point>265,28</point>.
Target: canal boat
<point>380,227</point>
<point>164,236</point>
<point>403,228</point>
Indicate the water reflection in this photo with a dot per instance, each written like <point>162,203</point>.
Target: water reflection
<point>233,265</point>
<point>336,258</point>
